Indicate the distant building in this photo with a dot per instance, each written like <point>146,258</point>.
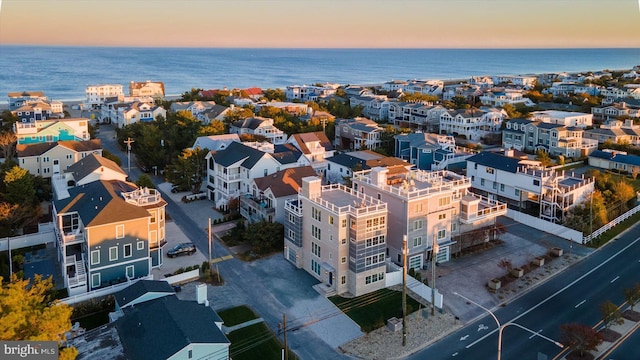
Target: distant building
<point>315,146</point>
<point>564,118</point>
<point>154,89</point>
<point>615,160</point>
<point>50,158</point>
<point>527,81</point>
<point>473,124</point>
<point>95,95</point>
<point>136,111</point>
<point>616,132</point>
<point>309,92</point>
<point>431,151</point>
<point>357,134</point>
<point>259,126</point>
<point>215,142</point>
<point>500,98</point>
<point>20,99</point>
<point>34,111</point>
<point>342,166</point>
<point>52,130</point>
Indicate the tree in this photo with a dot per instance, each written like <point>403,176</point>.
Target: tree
<point>29,312</point>
<point>610,314</point>
<point>145,181</point>
<point>109,155</point>
<point>632,295</point>
<point>189,169</point>
<point>19,186</point>
<point>544,158</point>
<point>265,236</point>
<point>580,337</point>
<point>216,127</point>
<point>417,97</point>
<point>274,94</point>
<point>8,141</point>
<point>8,119</point>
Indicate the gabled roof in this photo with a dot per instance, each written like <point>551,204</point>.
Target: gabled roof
<point>496,161</point>
<point>101,203</point>
<point>25,150</point>
<point>249,123</point>
<point>215,111</point>
<point>216,142</point>
<point>304,138</point>
<point>159,328</point>
<point>286,153</point>
<point>90,164</point>
<point>26,93</point>
<point>141,287</point>
<point>367,159</point>
<point>422,140</point>
<point>617,157</point>
<point>236,152</point>
<point>254,91</point>
<point>285,182</point>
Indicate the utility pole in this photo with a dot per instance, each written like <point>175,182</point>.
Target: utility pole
<point>285,355</point>
<point>209,237</point>
<point>434,251</point>
<point>129,141</point>
<point>404,290</point>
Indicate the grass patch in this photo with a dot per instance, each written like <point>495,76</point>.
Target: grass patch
<point>371,311</point>
<point>237,315</point>
<point>255,342</point>
<point>615,231</point>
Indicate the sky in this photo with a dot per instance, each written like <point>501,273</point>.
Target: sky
<point>323,23</point>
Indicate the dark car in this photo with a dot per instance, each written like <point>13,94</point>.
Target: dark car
<point>182,249</point>
<point>177,189</point>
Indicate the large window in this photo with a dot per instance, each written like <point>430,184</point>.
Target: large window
<point>95,280</point>
<point>315,267</point>
<point>119,231</point>
<point>374,278</point>
<point>417,224</point>
<point>417,241</point>
<point>376,240</point>
<point>315,249</point>
<point>95,257</point>
<point>375,223</point>
<point>113,253</point>
<point>130,271</point>
<point>316,214</point>
<point>443,201</point>
<point>441,234</point>
<point>315,232</point>
<point>375,259</point>
<point>128,250</point>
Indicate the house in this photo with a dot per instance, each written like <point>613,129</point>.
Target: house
<point>194,107</point>
<point>378,109</point>
<point>338,235</point>
<point>88,169</point>
<point>566,88</point>
<point>616,132</point>
<point>268,194</point>
<point>321,117</point>
<point>290,107</point>
<point>342,166</point>
<point>154,89</point>
<point>216,112</point>
<point>259,126</point>
<point>527,81</point>
<point>230,171</point>
<point>526,185</point>
<point>215,142</point>
<point>108,232</point>
<point>137,112</point>
<point>20,99</point>
<point>564,118</point>
<point>34,111</point>
<point>95,95</point>
<point>51,158</point>
<point>110,106</point>
<point>425,87</point>
<point>627,91</point>
<point>615,160</point>
<point>394,85</point>
<point>51,130</point>
<point>498,97</point>
<point>141,291</point>
<point>309,92</point>
<point>473,124</point>
<point>616,110</point>
<point>429,208</point>
<point>555,139</point>
<point>484,82</point>
<point>467,91</point>
<point>315,146</point>
<point>357,134</point>
<point>421,115</point>
<point>431,151</point>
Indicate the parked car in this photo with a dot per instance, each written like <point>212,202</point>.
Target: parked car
<point>182,249</point>
<point>177,189</point>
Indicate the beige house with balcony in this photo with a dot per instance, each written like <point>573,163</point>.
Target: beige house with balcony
<point>51,158</point>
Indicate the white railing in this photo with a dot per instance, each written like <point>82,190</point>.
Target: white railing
<point>102,291</point>
<point>587,239</point>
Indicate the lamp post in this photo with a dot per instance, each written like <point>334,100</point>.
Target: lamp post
<point>435,248</point>
<point>501,327</point>
<point>128,142</point>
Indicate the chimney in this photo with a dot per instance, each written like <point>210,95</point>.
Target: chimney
<point>379,176</point>
<point>509,152</point>
<point>311,186</point>
<point>201,294</point>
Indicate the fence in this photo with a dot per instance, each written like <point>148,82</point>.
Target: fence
<point>44,235</point>
<point>394,277</point>
<point>587,239</point>
<point>183,277</point>
<point>548,226</point>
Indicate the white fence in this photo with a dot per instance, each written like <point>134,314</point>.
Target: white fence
<point>102,291</point>
<point>548,226</point>
<point>183,277</point>
<point>394,277</point>
<point>587,239</point>
<point>44,235</point>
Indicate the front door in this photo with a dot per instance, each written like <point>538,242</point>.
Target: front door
<point>56,166</point>
<point>330,278</point>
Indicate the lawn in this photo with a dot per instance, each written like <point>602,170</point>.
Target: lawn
<point>371,311</point>
<point>256,342</point>
<point>237,315</point>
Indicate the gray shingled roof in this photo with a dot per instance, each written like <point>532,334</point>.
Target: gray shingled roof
<point>248,123</point>
<point>286,153</point>
<point>496,161</point>
<point>140,288</point>
<point>91,163</point>
<point>159,328</point>
<point>236,152</point>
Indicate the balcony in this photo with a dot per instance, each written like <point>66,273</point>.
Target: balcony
<point>477,208</point>
<point>229,176</point>
<point>142,197</point>
<point>255,209</point>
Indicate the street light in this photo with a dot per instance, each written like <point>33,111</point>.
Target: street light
<point>501,327</point>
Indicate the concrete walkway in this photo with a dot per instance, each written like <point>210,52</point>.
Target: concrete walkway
<point>230,329</point>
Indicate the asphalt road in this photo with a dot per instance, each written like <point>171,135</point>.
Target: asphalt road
<point>628,350</point>
<point>574,296</point>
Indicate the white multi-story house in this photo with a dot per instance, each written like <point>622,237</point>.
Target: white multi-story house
<point>524,184</point>
<point>378,109</point>
<point>500,98</point>
<point>95,95</point>
<point>569,88</point>
<point>425,116</point>
<point>616,131</point>
<point>342,166</point>
<point>615,110</point>
<point>259,126</point>
<point>20,99</point>
<point>472,123</point>
<point>153,89</point>
<point>90,168</point>
<point>338,235</point>
<point>428,208</point>
<point>481,81</point>
<point>109,108</point>
<point>394,85</point>
<point>425,87</point>
<point>527,81</point>
<point>49,158</point>
<point>315,146</point>
<point>230,171</point>
<point>555,139</point>
<point>51,130</point>
<point>627,91</point>
<point>428,151</point>
<point>194,107</point>
<point>564,118</point>
<point>268,194</point>
<point>309,92</point>
<point>357,134</point>
<point>137,112</point>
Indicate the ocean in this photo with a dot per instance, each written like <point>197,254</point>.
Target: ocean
<point>64,72</point>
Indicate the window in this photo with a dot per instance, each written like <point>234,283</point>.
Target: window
<point>153,218</point>
<point>315,232</point>
<point>95,257</point>
<point>490,170</point>
<point>343,280</point>
<point>119,231</point>
<point>344,223</point>
<point>443,201</point>
<point>454,226</point>
<point>501,187</point>
<point>442,216</point>
<point>343,241</point>
<point>292,234</point>
<point>376,240</point>
<point>418,208</point>
<point>495,185</point>
<point>315,267</point>
<point>265,172</point>
<point>128,250</point>
<point>331,220</point>
<point>113,253</point>
<point>140,245</point>
<point>517,191</point>
<point>375,223</point>
<point>343,260</point>
<point>374,278</point>
<point>415,262</point>
<point>417,241</point>
<point>536,182</point>
<point>375,259</point>
<point>482,182</point>
<point>291,218</point>
<point>95,280</point>
<point>442,234</point>
<point>315,249</point>
<point>130,271</point>
<point>417,225</point>
<point>316,214</point>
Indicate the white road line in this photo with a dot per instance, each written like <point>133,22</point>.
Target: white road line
<point>454,354</point>
<point>580,303</point>
<point>614,279</point>
<point>559,291</point>
<point>536,334</point>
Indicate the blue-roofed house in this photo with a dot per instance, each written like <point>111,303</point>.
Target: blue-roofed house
<point>526,185</point>
<point>141,291</point>
<point>108,232</point>
<point>615,160</point>
<point>357,134</point>
<point>431,151</point>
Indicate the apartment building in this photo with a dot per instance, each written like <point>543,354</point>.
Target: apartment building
<point>565,118</point>
<point>95,95</point>
<point>473,124</point>
<point>428,208</point>
<point>108,231</point>
<point>527,186</point>
<point>337,235</point>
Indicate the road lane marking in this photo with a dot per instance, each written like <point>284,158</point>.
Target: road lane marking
<point>614,279</point>
<point>463,338</point>
<point>580,303</point>
<point>536,334</point>
<point>454,354</point>
<point>217,260</point>
<point>596,268</point>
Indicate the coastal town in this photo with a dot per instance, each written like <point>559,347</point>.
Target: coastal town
<point>322,220</point>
